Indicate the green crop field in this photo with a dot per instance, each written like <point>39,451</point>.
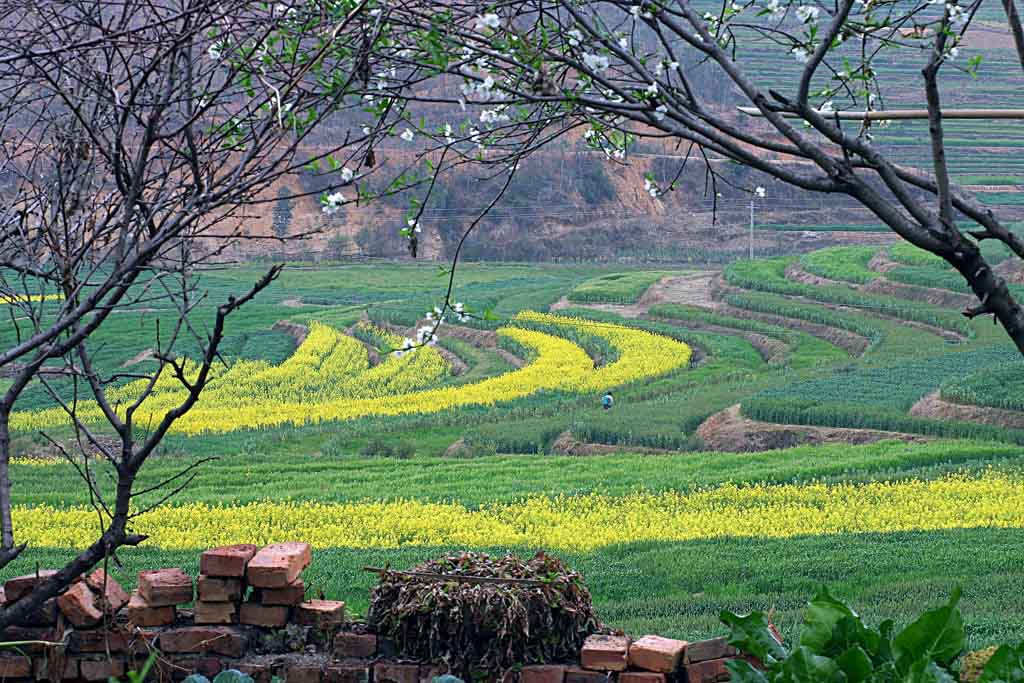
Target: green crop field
<point>393,460</point>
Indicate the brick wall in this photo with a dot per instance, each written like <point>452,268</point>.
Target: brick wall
<point>249,612</point>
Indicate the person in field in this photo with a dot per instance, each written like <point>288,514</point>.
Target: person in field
<point>607,401</point>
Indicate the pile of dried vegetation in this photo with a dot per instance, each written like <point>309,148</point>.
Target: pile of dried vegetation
<point>475,612</point>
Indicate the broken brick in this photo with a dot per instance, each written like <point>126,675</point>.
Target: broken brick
<point>604,653</point>
<point>278,565</point>
<point>215,612</point>
<point>320,613</point>
<point>218,589</point>
<point>164,587</point>
<point>141,613</point>
<point>111,596</point>
<point>78,604</point>
<point>641,677</point>
<point>655,653</point>
<point>268,616</point>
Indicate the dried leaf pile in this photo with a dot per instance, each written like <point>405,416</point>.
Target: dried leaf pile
<point>485,626</point>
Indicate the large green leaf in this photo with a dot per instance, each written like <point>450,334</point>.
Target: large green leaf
<point>823,614</point>
<point>741,671</point>
<point>855,664</point>
<point>937,635</point>
<point>1005,666</point>
<point>750,634</point>
<point>803,666</point>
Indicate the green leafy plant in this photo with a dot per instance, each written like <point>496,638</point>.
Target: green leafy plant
<point>835,645</point>
<point>225,676</point>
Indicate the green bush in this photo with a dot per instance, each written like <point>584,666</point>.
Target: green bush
<point>848,264</point>
<point>616,288</point>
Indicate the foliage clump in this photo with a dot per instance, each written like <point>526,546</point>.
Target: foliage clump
<point>489,626</point>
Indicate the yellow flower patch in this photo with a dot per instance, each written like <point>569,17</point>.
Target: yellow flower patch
<point>567,522</point>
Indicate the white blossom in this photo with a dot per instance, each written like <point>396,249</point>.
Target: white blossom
<point>801,54</point>
<point>759,191</point>
<point>491,116</point>
<point>414,225</point>
<point>953,53</point>
<point>650,188</point>
<point>332,203</point>
<point>774,7</point>
<point>408,135</point>
<point>596,62</point>
<point>575,37</point>
<point>807,13</point>
<point>448,133</point>
<point>366,130</point>
<point>826,108</point>
<point>956,14</point>
<point>215,51</point>
<point>652,89</point>
<point>347,175</point>
<point>659,112</point>
<point>488,21</point>
<point>623,43</point>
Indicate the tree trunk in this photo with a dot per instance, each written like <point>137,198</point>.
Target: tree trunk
<point>6,525</point>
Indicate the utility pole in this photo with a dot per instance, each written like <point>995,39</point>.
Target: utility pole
<point>751,242</point>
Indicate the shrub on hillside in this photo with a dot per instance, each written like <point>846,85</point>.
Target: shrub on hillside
<point>479,625</point>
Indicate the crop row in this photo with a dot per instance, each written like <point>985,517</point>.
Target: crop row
<point>615,288</point>
<point>847,264</point>
<point>768,275</point>
<point>998,387</point>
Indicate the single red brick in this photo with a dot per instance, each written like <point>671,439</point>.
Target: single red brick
<point>15,667</point>
<point>218,589</point>
<point>221,640</point>
<point>67,666</point>
<point>303,673</point>
<point>260,673</point>
<point>641,677</point>
<point>708,671</point>
<point>278,565</point>
<point>543,673</point>
<point>604,653</point>
<point>215,612</point>
<point>114,640</point>
<point>19,586</point>
<point>346,673</point>
<point>357,645</point>
<point>102,669</point>
<point>703,650</point>
<point>165,587</point>
<point>655,653</point>
<point>269,616</point>
<point>228,560</point>
<point>141,613</point>
<point>320,613</point>
<point>78,604</point>
<point>384,672</point>
<point>111,596</point>
<point>23,633</point>
<point>576,674</point>
<point>292,594</point>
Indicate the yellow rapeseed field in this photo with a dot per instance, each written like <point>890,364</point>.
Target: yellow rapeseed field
<point>328,378</point>
<point>568,522</point>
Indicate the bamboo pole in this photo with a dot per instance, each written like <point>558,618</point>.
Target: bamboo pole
<point>894,114</point>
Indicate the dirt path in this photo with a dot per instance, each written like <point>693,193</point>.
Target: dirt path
<point>693,289</point>
<point>932,406</point>
<point>730,432</point>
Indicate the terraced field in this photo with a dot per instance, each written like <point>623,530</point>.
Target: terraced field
<point>495,439</point>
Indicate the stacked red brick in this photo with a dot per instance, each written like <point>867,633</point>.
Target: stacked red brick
<point>651,659</point>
